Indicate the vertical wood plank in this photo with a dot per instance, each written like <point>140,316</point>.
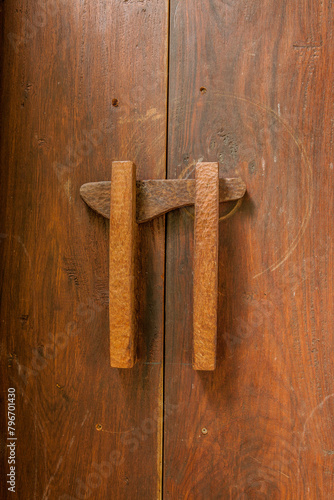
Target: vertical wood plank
<point>77,93</point>
<point>122,262</point>
<point>205,266</point>
<point>251,86</point>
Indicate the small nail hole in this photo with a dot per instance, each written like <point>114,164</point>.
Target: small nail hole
<point>204,430</point>
<point>115,103</point>
<point>98,427</point>
<point>202,90</point>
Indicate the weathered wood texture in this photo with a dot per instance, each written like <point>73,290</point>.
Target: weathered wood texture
<point>251,86</point>
<point>205,286</point>
<point>157,197</point>
<point>77,93</point>
<point>122,265</point>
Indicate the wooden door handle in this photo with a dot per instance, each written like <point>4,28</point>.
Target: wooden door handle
<point>122,253</point>
<point>205,294</point>
<point>127,203</point>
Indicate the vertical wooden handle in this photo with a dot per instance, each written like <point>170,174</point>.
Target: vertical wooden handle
<point>206,266</point>
<point>122,252</point>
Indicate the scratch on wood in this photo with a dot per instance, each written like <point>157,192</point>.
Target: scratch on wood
<point>320,405</point>
<point>46,491</point>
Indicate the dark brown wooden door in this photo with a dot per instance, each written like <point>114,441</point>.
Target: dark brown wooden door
<point>78,92</point>
<point>167,84</point>
<point>251,86</point>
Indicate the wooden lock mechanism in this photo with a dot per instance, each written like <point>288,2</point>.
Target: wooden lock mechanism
<point>128,203</point>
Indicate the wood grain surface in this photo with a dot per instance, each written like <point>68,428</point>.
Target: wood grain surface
<point>122,265</point>
<point>157,197</point>
<point>251,86</point>
<point>205,270</point>
<point>77,93</point>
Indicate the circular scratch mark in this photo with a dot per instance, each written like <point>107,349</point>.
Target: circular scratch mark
<point>186,173</point>
<point>233,211</point>
<point>309,174</point>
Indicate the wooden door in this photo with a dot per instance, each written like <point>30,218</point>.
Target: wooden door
<point>250,85</point>
<point>77,92</point>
